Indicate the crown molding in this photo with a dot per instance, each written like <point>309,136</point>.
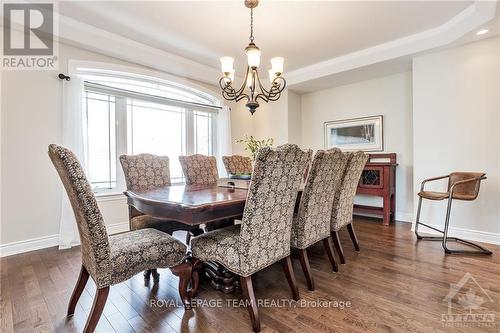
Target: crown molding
<point>76,33</point>
<point>469,19</point>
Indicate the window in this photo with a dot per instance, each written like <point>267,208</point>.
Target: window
<point>131,116</point>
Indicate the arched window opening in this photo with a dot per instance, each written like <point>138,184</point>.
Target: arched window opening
<point>131,114</point>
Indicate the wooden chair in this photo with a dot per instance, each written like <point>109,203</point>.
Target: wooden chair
<point>312,222</point>
<point>145,172</point>
<point>263,238</point>
<point>113,259</point>
<point>461,186</point>
<point>202,170</point>
<point>342,209</point>
<point>237,164</point>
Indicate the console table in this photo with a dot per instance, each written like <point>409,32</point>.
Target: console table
<point>379,179</point>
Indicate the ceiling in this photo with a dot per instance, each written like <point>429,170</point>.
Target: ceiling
<point>304,32</point>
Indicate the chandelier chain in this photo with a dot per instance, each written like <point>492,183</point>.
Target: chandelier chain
<point>251,25</point>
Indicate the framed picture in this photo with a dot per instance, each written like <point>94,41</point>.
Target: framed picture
<point>365,134</point>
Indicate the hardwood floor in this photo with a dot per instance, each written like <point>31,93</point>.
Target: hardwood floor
<point>393,284</point>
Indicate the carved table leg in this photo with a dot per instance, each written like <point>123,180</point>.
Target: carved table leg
<point>220,278</point>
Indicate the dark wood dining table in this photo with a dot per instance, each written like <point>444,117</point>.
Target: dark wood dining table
<point>194,205</point>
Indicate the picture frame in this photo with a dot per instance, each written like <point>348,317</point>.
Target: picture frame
<point>365,134</point>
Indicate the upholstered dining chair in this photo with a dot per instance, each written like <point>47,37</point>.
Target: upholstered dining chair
<point>343,204</point>
<point>199,169</point>
<point>202,170</point>
<point>236,164</point>
<point>263,237</point>
<point>112,259</point>
<point>461,186</point>
<point>145,172</point>
<point>312,222</point>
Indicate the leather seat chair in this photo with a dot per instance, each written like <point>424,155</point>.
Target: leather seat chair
<point>461,186</point>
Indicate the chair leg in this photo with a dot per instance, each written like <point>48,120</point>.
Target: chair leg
<point>253,311</point>
<point>327,243</point>
<point>184,272</point>
<point>446,225</point>
<point>352,234</point>
<point>445,239</point>
<point>99,301</point>
<point>306,268</point>
<point>290,276</point>
<point>77,292</point>
<point>417,220</point>
<point>338,246</point>
<point>154,273</point>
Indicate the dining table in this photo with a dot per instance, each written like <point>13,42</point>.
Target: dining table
<point>196,205</point>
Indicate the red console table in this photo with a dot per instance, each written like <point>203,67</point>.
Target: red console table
<point>379,179</point>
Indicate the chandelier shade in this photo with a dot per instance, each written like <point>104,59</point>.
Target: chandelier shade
<point>252,88</point>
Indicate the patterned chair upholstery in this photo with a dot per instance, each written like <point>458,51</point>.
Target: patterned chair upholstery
<point>343,204</point>
<point>236,164</point>
<point>263,238</point>
<point>111,259</point>
<point>199,169</point>
<point>312,222</point>
<point>202,170</point>
<point>145,172</point>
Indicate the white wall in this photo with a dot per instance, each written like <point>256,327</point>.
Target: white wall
<point>271,120</point>
<point>31,118</point>
<point>456,121</point>
<point>389,96</point>
<point>294,118</point>
<point>242,125</point>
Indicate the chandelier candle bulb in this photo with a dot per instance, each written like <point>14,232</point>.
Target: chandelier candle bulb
<point>253,54</point>
<point>277,64</point>
<point>227,65</point>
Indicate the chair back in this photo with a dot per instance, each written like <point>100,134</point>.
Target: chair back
<point>93,236</point>
<point>236,164</point>
<point>199,169</point>
<point>343,203</point>
<point>267,218</point>
<point>466,191</point>
<point>312,223</point>
<point>144,172</point>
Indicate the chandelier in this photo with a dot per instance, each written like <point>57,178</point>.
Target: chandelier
<point>252,89</point>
